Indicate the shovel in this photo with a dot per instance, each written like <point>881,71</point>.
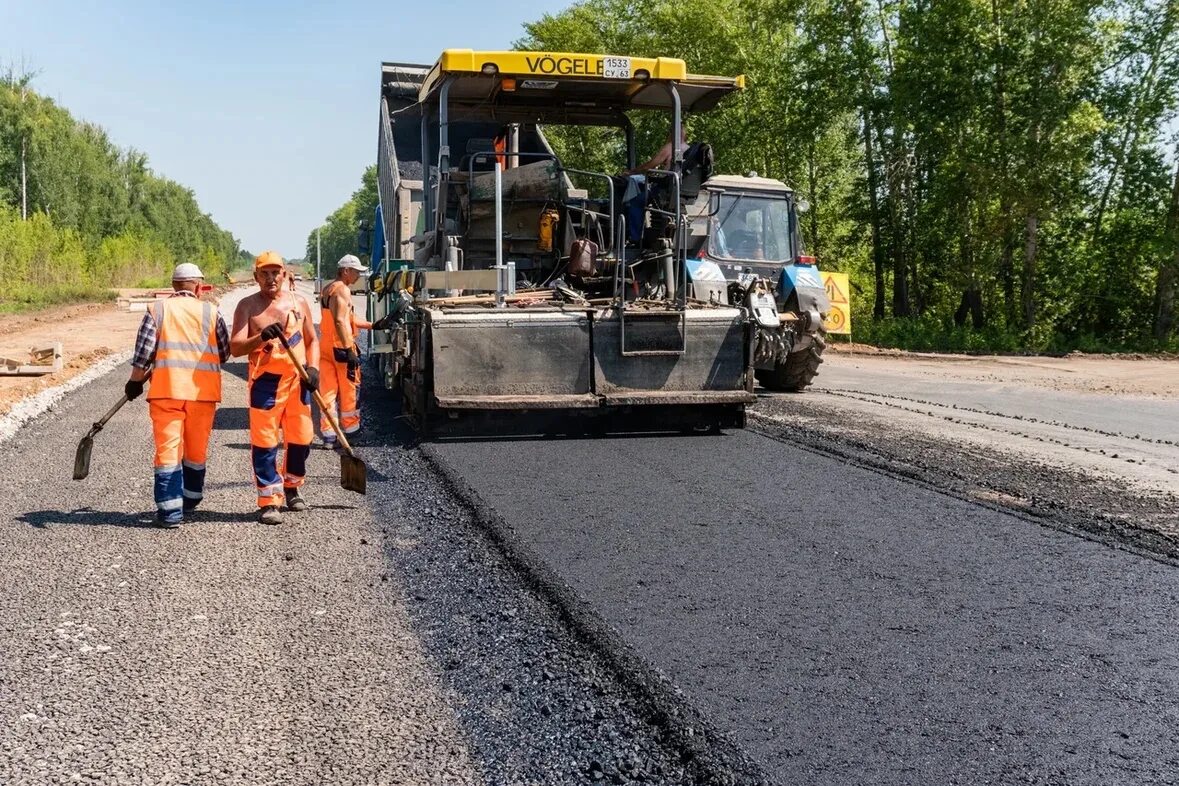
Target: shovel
<point>353,472</point>
<point>86,446</point>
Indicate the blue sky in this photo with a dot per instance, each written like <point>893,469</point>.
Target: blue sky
<point>267,110</point>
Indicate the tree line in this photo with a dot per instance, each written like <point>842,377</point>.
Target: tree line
<point>997,174</point>
<point>338,235</point>
<point>79,214</point>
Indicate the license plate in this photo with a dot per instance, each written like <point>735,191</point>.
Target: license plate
<point>616,67</point>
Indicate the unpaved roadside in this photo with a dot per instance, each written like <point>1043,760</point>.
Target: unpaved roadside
<point>88,333</point>
<point>1154,376</point>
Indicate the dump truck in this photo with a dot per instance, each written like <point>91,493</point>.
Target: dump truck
<point>506,280</point>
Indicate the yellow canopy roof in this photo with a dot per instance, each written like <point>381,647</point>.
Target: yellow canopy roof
<point>568,85</point>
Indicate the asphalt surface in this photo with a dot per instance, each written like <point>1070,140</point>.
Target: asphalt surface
<point>846,624</point>
<point>377,640</point>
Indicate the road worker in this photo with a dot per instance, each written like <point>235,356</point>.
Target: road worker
<point>339,354</point>
<point>182,343</point>
<point>279,401</point>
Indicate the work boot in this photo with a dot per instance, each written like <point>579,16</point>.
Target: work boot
<point>171,519</point>
<point>294,501</point>
<point>270,515</point>
<point>190,504</point>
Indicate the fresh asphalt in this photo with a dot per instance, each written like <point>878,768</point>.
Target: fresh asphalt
<point>845,625</point>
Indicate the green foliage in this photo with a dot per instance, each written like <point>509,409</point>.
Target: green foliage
<point>1009,150</point>
<point>83,215</point>
<point>338,235</point>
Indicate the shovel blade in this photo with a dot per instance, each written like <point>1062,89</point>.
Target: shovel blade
<point>353,473</point>
<point>82,458</point>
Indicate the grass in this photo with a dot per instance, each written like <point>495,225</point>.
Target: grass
<point>33,300</point>
<point>926,334</point>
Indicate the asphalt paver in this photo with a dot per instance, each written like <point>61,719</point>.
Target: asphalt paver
<point>845,625</point>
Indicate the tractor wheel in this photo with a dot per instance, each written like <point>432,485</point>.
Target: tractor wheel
<point>799,370</point>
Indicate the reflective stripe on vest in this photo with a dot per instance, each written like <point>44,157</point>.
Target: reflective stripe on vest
<point>187,365</point>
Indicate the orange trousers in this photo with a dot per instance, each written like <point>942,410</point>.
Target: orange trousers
<point>181,430</point>
<point>340,394</point>
<point>280,413</point>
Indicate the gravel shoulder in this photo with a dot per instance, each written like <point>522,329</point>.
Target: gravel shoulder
<point>221,652</point>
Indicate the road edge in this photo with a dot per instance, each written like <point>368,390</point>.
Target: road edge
<point>38,404</point>
<point>702,747</point>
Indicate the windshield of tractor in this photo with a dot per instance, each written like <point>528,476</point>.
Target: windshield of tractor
<point>751,228</point>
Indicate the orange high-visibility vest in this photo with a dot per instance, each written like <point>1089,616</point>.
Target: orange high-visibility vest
<point>329,338</point>
<point>187,366</point>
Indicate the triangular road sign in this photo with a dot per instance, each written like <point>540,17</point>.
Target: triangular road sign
<point>834,293</point>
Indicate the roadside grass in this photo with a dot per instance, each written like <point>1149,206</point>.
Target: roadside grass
<point>27,299</point>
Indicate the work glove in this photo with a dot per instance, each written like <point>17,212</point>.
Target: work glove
<point>133,389</point>
<point>383,323</point>
<point>312,383</point>
<point>272,331</point>
<point>353,363</point>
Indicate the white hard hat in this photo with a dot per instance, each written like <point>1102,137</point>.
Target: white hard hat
<point>186,271</point>
<point>350,262</point>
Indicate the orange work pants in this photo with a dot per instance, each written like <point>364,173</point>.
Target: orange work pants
<point>280,413</point>
<point>181,430</point>
<point>341,394</point>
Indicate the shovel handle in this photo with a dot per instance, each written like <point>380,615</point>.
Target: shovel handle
<point>323,408</point>
<point>97,427</point>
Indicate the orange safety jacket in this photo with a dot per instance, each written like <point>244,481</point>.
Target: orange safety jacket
<point>329,338</point>
<point>187,365</point>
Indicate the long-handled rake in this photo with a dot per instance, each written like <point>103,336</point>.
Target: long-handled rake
<point>353,472</point>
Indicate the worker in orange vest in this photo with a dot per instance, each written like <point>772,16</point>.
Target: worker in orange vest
<point>280,403</point>
<point>182,343</point>
<point>339,354</point>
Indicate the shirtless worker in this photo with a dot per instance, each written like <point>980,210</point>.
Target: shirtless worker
<point>278,399</point>
<point>339,355</point>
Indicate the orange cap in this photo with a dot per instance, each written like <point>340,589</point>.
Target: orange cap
<point>268,259</point>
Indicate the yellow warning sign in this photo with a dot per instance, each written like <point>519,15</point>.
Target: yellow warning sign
<point>839,293</point>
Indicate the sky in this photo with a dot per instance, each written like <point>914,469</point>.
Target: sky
<point>266,110</point>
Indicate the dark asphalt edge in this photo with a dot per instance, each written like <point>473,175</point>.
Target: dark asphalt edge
<point>1120,537</point>
<point>712,756</point>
